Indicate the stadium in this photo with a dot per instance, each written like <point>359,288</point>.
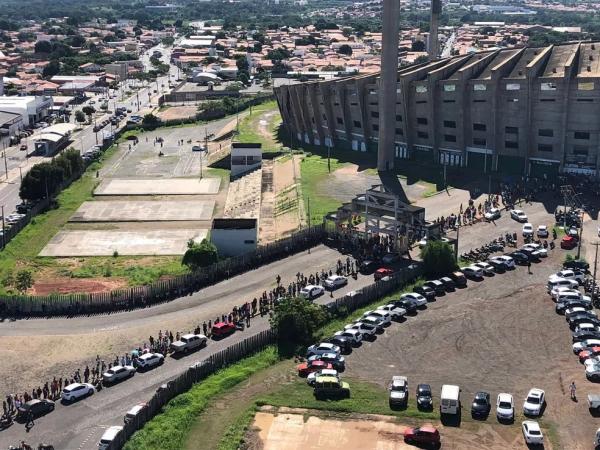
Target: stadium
<point>522,111</point>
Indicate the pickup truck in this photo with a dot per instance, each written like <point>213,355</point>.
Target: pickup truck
<point>594,403</point>
<point>188,342</point>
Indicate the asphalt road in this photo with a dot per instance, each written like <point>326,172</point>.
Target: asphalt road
<point>80,425</point>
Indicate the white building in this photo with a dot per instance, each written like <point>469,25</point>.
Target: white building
<point>32,109</point>
<point>244,158</point>
<point>234,237</point>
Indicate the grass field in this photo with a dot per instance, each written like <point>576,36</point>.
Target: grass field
<point>250,127</point>
<point>313,170</point>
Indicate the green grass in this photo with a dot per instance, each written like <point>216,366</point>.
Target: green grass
<point>249,127</point>
<point>235,432</point>
<point>169,429</point>
<point>313,170</point>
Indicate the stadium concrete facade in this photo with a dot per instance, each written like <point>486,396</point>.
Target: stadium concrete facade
<point>530,111</point>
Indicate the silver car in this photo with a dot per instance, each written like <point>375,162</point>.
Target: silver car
<point>117,373</point>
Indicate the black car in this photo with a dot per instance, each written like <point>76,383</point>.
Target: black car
<point>576,320</point>
<point>342,342</point>
<point>448,283</point>
<point>426,292</point>
<point>499,266</point>
<point>589,314</point>
<point>424,397</point>
<point>481,405</point>
<point>576,264</point>
<point>37,407</point>
<point>530,254</point>
<point>519,257</point>
<point>459,279</point>
<point>585,334</point>
<point>368,266</point>
<point>409,305</point>
<point>562,306</point>
<point>437,286</point>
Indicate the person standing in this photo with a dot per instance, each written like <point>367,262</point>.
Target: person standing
<point>573,389</point>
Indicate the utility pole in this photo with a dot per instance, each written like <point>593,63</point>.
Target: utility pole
<point>5,164</point>
<point>3,229</point>
<point>21,174</point>
<point>580,236</point>
<point>456,242</point>
<point>595,244</point>
<point>329,158</point>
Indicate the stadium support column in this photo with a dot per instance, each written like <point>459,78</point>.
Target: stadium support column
<point>387,84</point>
<point>433,46</point>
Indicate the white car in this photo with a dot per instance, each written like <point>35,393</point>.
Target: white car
<point>323,347</point>
<point>592,369</point>
<point>335,281</point>
<point>311,378</point>
<point>117,373</point>
<point>560,290</point>
<point>395,311</point>
<point>542,231</point>
<point>570,275</point>
<point>537,249</point>
<point>486,267</point>
<point>311,291</point>
<point>384,316</point>
<point>532,432</point>
<point>472,272</point>
<point>417,298</point>
<point>133,412</point>
<point>518,215</point>
<point>362,328</point>
<point>76,391</point>
<point>508,262</point>
<point>492,214</point>
<point>586,326</point>
<point>352,334</point>
<point>148,360</point>
<point>109,436</point>
<point>527,230</point>
<point>555,281</point>
<point>505,408</point>
<point>579,346</point>
<point>570,312</point>
<point>534,402</point>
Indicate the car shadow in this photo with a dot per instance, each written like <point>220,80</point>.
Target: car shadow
<point>535,446</point>
<point>398,407</point>
<point>451,420</point>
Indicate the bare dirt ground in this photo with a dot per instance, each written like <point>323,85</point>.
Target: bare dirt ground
<point>285,173</point>
<point>178,113</point>
<point>71,285</point>
<point>294,429</point>
<point>498,335</point>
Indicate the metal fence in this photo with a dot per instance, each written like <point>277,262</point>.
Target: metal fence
<point>160,291</point>
<point>197,372</point>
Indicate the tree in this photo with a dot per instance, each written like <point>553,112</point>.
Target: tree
<point>88,110</point>
<point>43,47</point>
<point>296,320</point>
<point>418,46</point>
<point>200,255</point>
<point>24,280</point>
<point>53,68</point>
<point>438,258</point>
<point>421,59</point>
<point>79,116</point>
<point>150,120</point>
<point>345,49</point>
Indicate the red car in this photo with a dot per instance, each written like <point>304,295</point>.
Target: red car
<point>568,242</point>
<point>312,366</point>
<point>383,272</point>
<point>588,353</point>
<point>426,435</point>
<point>221,329</point>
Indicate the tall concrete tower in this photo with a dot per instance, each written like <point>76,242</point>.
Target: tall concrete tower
<point>388,81</point>
<point>433,46</point>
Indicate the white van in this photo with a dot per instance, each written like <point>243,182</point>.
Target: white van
<point>450,399</point>
<point>109,436</point>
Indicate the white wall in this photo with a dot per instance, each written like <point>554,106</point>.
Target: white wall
<point>234,242</point>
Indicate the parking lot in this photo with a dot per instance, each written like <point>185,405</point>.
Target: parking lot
<point>496,335</point>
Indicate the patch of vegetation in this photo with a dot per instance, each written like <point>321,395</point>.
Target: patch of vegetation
<point>169,429</point>
<point>438,258</point>
<point>249,127</point>
<point>313,170</point>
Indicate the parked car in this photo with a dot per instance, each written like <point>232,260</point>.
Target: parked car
<point>519,257</point>
<point>337,361</point>
<point>561,307</point>
<point>344,343</point>
<point>109,436</point>
<point>394,311</point>
<point>577,310</point>
<point>580,346</point>
<point>407,304</point>
<point>335,281</point>
<point>323,347</point>
<point>365,329</point>
<point>330,387</point>
<point>594,403</point>
<point>424,397</point>
<point>481,405</point>
<point>582,335</point>
<point>118,373</point>
<point>353,335</point>
<point>311,378</point>
<point>587,353</point>
<point>592,369</point>
<point>390,258</point>
<point>437,286</point>
<point>492,214</point>
<point>487,268</point>
<point>417,298</point>
<point>536,250</point>
<point>313,365</point>
<point>422,436</point>
<point>518,215</point>
<point>542,231</point>
<point>222,329</point>
<point>459,278</point>
<point>189,342</point>
<point>570,275</point>
<point>534,402</point>
<point>473,272</point>
<point>527,230</point>
<point>532,255</point>
<point>554,282</point>
<point>507,260</point>
<point>398,391</point>
<point>76,391</point>
<point>311,291</point>
<point>505,407</point>
<point>576,264</point>
<point>426,292</point>
<point>148,360</point>
<point>568,243</point>
<point>35,407</point>
<point>448,283</point>
<point>382,273</point>
<point>368,266</point>
<point>532,432</point>
<point>134,412</point>
<point>383,316</point>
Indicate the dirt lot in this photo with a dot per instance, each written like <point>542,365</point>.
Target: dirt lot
<point>499,335</point>
<point>298,429</point>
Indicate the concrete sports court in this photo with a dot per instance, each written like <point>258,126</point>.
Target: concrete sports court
<point>173,186</point>
<point>143,211</point>
<point>105,243</point>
